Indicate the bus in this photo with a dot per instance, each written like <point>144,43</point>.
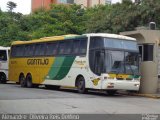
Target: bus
<point>4,59</point>
<point>98,61</point>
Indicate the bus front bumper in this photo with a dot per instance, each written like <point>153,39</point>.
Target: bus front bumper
<point>120,85</point>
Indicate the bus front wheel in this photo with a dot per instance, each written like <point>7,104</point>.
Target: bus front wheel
<point>81,85</point>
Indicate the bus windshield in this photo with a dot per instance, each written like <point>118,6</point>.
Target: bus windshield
<point>121,62</point>
<point>110,55</point>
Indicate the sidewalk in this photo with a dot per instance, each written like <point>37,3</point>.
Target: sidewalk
<point>154,96</point>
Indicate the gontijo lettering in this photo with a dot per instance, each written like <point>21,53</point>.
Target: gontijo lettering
<point>37,61</point>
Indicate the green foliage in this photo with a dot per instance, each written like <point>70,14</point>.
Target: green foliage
<point>72,19</point>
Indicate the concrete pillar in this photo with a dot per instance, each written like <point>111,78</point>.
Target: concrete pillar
<point>149,81</point>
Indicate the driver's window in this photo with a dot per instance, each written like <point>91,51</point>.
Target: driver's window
<point>3,55</point>
<point>99,62</point>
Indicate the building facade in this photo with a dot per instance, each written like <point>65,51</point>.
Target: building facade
<point>36,4</point>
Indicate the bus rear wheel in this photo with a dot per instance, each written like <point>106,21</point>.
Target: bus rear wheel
<point>29,81</point>
<point>22,81</point>
<point>81,85</point>
<point>3,78</point>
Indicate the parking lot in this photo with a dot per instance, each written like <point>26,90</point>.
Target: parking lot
<point>14,99</point>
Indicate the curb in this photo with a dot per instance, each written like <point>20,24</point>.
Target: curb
<point>146,95</point>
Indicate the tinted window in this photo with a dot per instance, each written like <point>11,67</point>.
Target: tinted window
<point>68,47</point>
<point>17,51</point>
<point>101,42</point>
<point>3,55</point>
<point>112,43</point>
<point>131,45</point>
<point>13,51</point>
<point>39,49</point>
<point>29,50</point>
<point>83,46</point>
<point>65,48</point>
<point>61,49</point>
<point>76,45</point>
<point>120,44</point>
<point>96,42</point>
<point>51,48</point>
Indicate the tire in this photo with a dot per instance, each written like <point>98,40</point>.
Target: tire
<point>22,81</point>
<point>29,83</point>
<point>53,87</point>
<point>81,85</point>
<point>3,78</point>
<point>111,92</point>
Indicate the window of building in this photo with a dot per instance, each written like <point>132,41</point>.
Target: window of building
<point>146,52</point>
<point>66,1</point>
<point>108,1</point>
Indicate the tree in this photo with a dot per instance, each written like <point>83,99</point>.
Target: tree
<point>11,5</point>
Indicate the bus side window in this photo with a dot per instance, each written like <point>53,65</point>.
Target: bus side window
<point>20,51</point>
<point>51,48</point>
<point>31,50</point>
<point>68,47</point>
<point>76,45</point>
<point>3,55</point>
<point>39,49</point>
<point>27,50</point>
<point>83,46</point>
<point>13,51</point>
<point>61,48</point>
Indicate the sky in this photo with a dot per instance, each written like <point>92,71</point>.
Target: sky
<point>24,6</point>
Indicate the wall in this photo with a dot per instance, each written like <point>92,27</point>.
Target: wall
<point>36,4</point>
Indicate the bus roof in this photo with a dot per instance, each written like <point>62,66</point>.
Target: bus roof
<point>48,39</point>
<point>110,36</point>
<point>4,48</point>
<point>71,36</point>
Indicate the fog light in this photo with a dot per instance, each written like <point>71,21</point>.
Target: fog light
<point>137,85</point>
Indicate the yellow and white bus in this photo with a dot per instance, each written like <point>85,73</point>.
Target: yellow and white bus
<point>4,59</point>
<point>90,61</point>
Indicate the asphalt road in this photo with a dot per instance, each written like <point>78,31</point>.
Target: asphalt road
<point>14,99</point>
